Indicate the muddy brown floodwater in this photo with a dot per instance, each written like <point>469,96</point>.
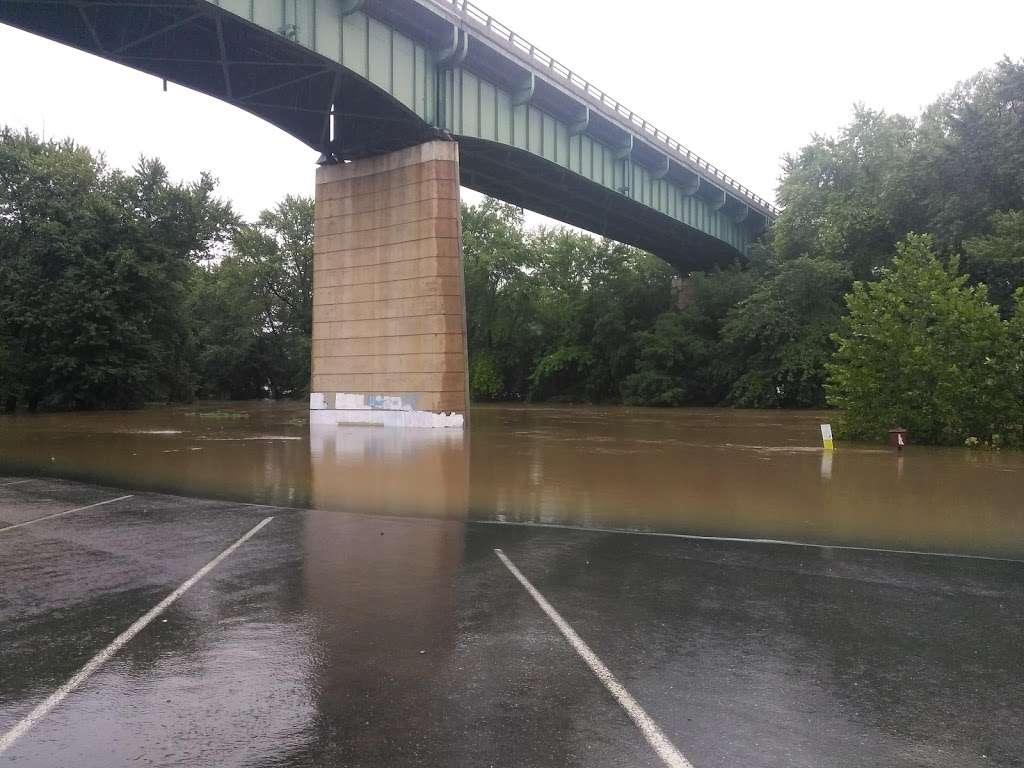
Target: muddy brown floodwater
<point>757,474</point>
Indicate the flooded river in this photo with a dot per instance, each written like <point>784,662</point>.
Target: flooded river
<point>759,474</point>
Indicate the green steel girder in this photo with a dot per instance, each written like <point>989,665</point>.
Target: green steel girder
<point>390,73</point>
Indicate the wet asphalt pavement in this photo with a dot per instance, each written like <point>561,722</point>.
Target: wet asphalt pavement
<point>331,639</point>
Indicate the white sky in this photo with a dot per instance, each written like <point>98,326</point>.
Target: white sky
<point>739,82</point>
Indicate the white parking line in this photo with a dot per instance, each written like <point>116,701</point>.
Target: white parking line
<point>742,540</point>
<point>666,750</point>
<point>120,641</point>
<point>15,482</point>
<point>61,514</point>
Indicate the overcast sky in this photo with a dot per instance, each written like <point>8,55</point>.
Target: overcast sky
<point>741,83</point>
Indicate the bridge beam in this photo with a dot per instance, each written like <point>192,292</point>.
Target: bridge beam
<point>716,197</point>
<point>662,169</point>
<point>454,54</point>
<point>348,7</point>
<point>691,185</point>
<point>625,150</point>
<point>523,94</point>
<point>389,339</point>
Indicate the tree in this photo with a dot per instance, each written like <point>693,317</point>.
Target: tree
<point>924,350</point>
<point>593,297</point>
<point>227,317</point>
<point>681,359</point>
<point>94,269</point>
<point>997,259</point>
<point>968,160</point>
<point>1016,367</point>
<point>553,314</point>
<point>783,334</point>
<point>254,311</point>
<point>844,197</point>
<point>502,327</point>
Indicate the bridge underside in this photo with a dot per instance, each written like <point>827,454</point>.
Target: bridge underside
<point>510,174</point>
<point>225,56</point>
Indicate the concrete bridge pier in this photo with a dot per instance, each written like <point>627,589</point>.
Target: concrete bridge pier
<point>389,323</point>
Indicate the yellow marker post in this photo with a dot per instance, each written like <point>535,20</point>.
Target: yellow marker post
<point>826,437</point>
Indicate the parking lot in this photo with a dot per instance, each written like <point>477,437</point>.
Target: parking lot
<point>146,629</point>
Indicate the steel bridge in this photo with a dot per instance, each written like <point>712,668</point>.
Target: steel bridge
<point>392,73</point>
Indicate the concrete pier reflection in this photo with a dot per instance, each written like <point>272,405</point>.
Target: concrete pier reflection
<point>422,472</point>
<point>383,590</point>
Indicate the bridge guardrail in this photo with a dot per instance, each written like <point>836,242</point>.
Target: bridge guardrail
<point>499,32</point>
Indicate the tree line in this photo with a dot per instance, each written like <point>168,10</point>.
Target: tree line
<point>890,286</point>
<point>119,288</point>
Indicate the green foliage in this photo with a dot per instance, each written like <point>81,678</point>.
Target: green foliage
<point>485,381</point>
<point>853,196</point>
<point>783,331</point>
<point>117,288</point>
<point>682,359</point>
<point>844,195</point>
<point>673,357</point>
<point>253,310</point>
<point>229,342</point>
<point>924,350</point>
<point>593,297</point>
<point>95,266</point>
<point>969,157</point>
<point>502,331</point>
<point>1015,372</point>
<point>997,259</point>
<point>553,314</point>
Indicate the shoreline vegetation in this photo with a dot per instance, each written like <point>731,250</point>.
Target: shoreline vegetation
<point>891,287</point>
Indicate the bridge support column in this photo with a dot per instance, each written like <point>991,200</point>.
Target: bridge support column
<point>389,323</point>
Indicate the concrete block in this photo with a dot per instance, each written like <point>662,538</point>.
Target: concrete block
<point>404,384</point>
<point>326,292</point>
<point>385,309</point>
<point>370,184</point>
<point>387,346</point>
<point>372,233</point>
<point>439,266</point>
<point>429,189</point>
<point>330,254</point>
<point>407,363</point>
<point>396,326</point>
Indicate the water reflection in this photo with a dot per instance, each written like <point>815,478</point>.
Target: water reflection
<point>702,471</point>
<point>381,592</point>
<point>390,471</point>
<point>740,473</point>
